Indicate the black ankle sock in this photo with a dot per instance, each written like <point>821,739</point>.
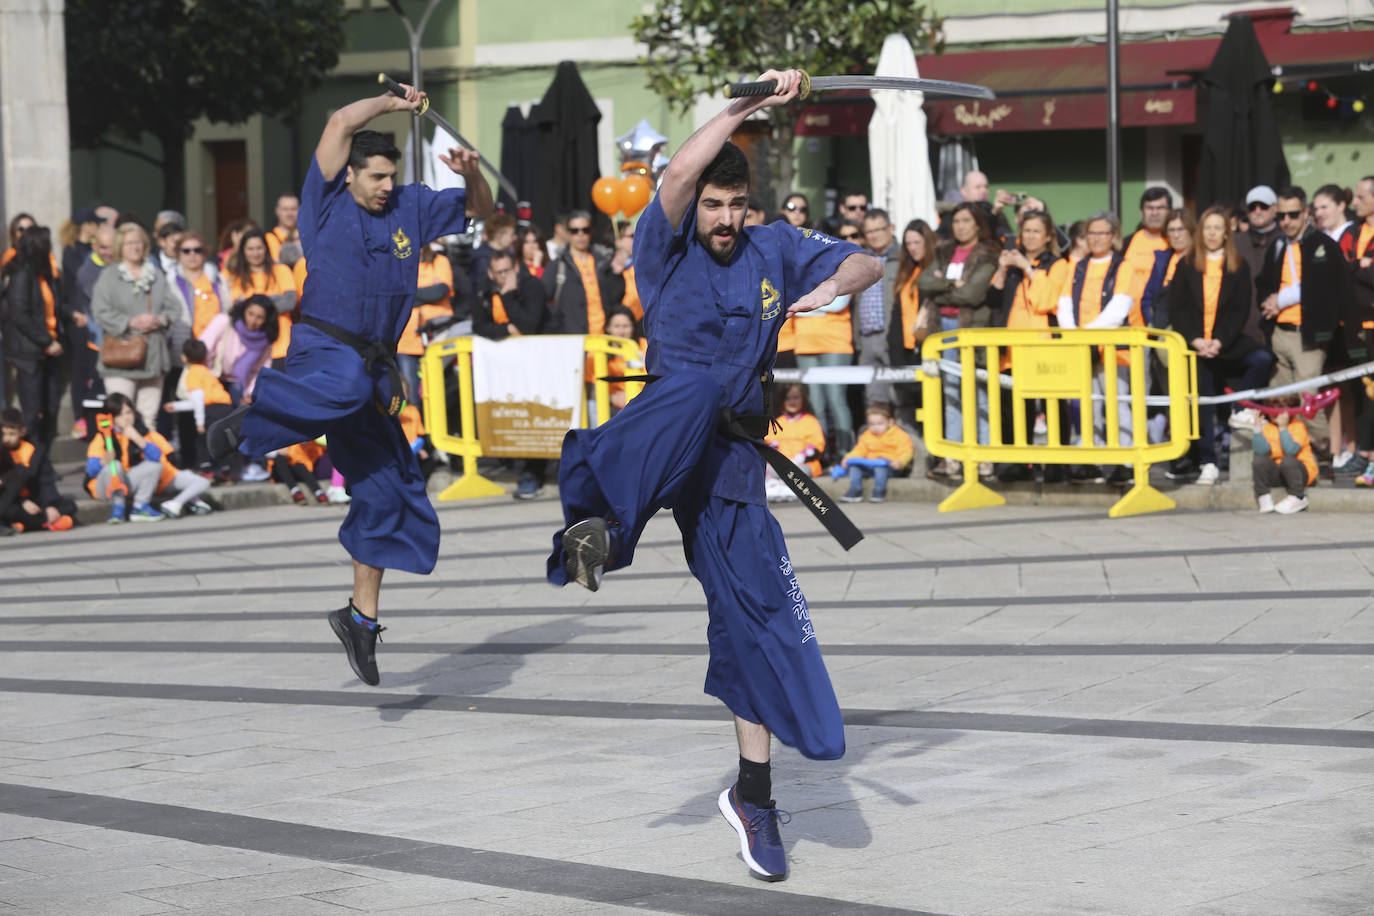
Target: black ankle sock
<point>755,782</point>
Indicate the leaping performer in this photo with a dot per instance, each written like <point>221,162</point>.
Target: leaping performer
<point>715,295</point>
<point>362,234</point>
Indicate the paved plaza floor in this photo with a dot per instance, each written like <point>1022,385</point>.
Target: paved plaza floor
<point>1048,712</point>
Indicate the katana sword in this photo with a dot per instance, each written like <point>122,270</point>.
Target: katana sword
<point>810,84</point>
<point>396,89</point>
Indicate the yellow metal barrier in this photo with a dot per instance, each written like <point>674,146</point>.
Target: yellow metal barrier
<point>470,484</point>
<point>1058,366</point>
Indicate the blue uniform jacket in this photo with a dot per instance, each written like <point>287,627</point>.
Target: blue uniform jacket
<point>724,319</point>
<point>363,267</point>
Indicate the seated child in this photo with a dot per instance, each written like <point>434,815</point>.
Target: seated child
<point>798,435</point>
<point>202,393</point>
<point>28,484</point>
<point>882,448</point>
<point>1283,456</point>
<point>123,463</point>
<point>295,467</point>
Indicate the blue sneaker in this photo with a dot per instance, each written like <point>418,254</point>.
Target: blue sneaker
<point>145,513</point>
<point>116,513</point>
<point>759,841</point>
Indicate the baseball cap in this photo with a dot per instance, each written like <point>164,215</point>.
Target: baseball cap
<point>1261,194</point>
<point>85,215</point>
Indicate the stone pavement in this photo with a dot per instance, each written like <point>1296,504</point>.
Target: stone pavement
<point>1048,712</point>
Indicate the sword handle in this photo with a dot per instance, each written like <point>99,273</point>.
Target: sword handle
<point>764,87</point>
<point>398,90</point>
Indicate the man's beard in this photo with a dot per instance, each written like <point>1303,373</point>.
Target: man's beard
<point>712,242</point>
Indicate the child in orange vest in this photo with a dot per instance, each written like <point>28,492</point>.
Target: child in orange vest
<point>200,392</point>
<point>882,448</point>
<point>295,467</point>
<point>1283,456</point>
<point>122,463</point>
<point>798,435</point>
<point>28,485</point>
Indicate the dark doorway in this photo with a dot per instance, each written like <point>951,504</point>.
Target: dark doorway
<point>231,181</point>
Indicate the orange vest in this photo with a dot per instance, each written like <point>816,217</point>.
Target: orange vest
<point>97,450</point>
<point>1140,257</point>
<point>1211,294</point>
<point>306,453</point>
<point>796,435</point>
<point>1292,273</point>
<point>412,426</point>
<point>1298,430</point>
<point>206,305</point>
<point>199,377</point>
<point>1090,305</point>
<point>21,456</point>
<point>787,336</point>
<point>632,294</point>
<point>910,298</point>
<point>1361,249</point>
<point>894,445</point>
<point>596,314</point>
<point>827,332</point>
<point>1037,297</point>
<point>298,272</point>
<point>437,271</point>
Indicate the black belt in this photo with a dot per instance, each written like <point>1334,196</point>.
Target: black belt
<point>371,351</point>
<point>752,429</point>
<point>1288,326</point>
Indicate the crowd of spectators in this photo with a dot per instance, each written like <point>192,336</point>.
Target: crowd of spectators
<point>152,334</point>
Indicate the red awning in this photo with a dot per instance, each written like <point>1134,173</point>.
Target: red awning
<point>1064,88</point>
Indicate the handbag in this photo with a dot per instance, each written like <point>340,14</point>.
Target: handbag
<point>127,351</point>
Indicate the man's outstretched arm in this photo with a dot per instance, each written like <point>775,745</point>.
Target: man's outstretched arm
<point>337,139</point>
<point>679,184</point>
<point>857,272</point>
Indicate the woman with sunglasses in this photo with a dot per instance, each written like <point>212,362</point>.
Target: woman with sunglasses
<point>797,211</point>
<point>199,284</point>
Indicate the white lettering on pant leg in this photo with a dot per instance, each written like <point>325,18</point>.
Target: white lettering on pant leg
<point>799,609</point>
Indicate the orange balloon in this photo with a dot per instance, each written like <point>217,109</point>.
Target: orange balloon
<point>606,195</point>
<point>635,191</point>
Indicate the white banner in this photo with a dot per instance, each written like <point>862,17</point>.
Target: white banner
<point>527,392</point>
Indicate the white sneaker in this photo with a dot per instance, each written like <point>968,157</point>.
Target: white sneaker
<point>1341,460</point>
<point>254,473</point>
<point>1247,418</point>
<point>171,509</point>
<point>338,495</point>
<point>1208,475</point>
<point>1266,503</point>
<point>1291,505</point>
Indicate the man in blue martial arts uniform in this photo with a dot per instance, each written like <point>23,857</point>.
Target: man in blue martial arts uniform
<point>362,234</point>
<point>715,295</point>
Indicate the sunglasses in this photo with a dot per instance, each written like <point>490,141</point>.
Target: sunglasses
<point>1291,214</point>
<point>193,251</point>
<point>794,207</point>
<point>853,206</point>
<point>580,230</point>
<point>1258,205</point>
<point>849,236</point>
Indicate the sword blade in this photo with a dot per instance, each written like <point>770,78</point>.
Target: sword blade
<point>909,83</point>
<point>443,124</point>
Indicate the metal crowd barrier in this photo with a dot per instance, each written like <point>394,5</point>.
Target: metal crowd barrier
<point>1058,367</point>
<point>470,484</point>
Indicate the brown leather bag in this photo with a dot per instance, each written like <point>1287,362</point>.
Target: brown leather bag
<point>128,351</point>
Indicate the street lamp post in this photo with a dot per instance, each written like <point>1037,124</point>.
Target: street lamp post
<point>1113,110</point>
<point>417,153</point>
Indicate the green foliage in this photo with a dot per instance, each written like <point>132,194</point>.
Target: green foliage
<point>699,45</point>
<point>158,65</point>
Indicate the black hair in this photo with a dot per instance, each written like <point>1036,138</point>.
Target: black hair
<point>194,351</point>
<point>33,252</point>
<point>12,418</point>
<point>852,192</point>
<point>171,227</point>
<point>237,267</point>
<point>614,310</point>
<point>730,169</point>
<point>115,404</point>
<point>369,143</point>
<point>271,326</point>
<point>1335,193</point>
<point>756,204</point>
<point>1293,192</point>
<point>501,254</point>
<point>878,213</point>
<point>1156,193</point>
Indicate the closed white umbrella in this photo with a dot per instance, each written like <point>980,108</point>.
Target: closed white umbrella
<point>898,152</point>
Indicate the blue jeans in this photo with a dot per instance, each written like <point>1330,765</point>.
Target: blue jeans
<point>831,402</point>
<point>952,386</point>
<point>856,480</point>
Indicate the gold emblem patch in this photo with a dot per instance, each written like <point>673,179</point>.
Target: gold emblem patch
<point>400,245</point>
<point>770,299</point>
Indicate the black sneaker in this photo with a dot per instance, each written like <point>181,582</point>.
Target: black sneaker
<point>223,437</point>
<point>586,546</point>
<point>360,642</point>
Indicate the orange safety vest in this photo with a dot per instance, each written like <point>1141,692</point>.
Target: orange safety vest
<point>437,271</point>
<point>795,434</point>
<point>21,456</point>
<point>121,442</point>
<point>1298,430</point>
